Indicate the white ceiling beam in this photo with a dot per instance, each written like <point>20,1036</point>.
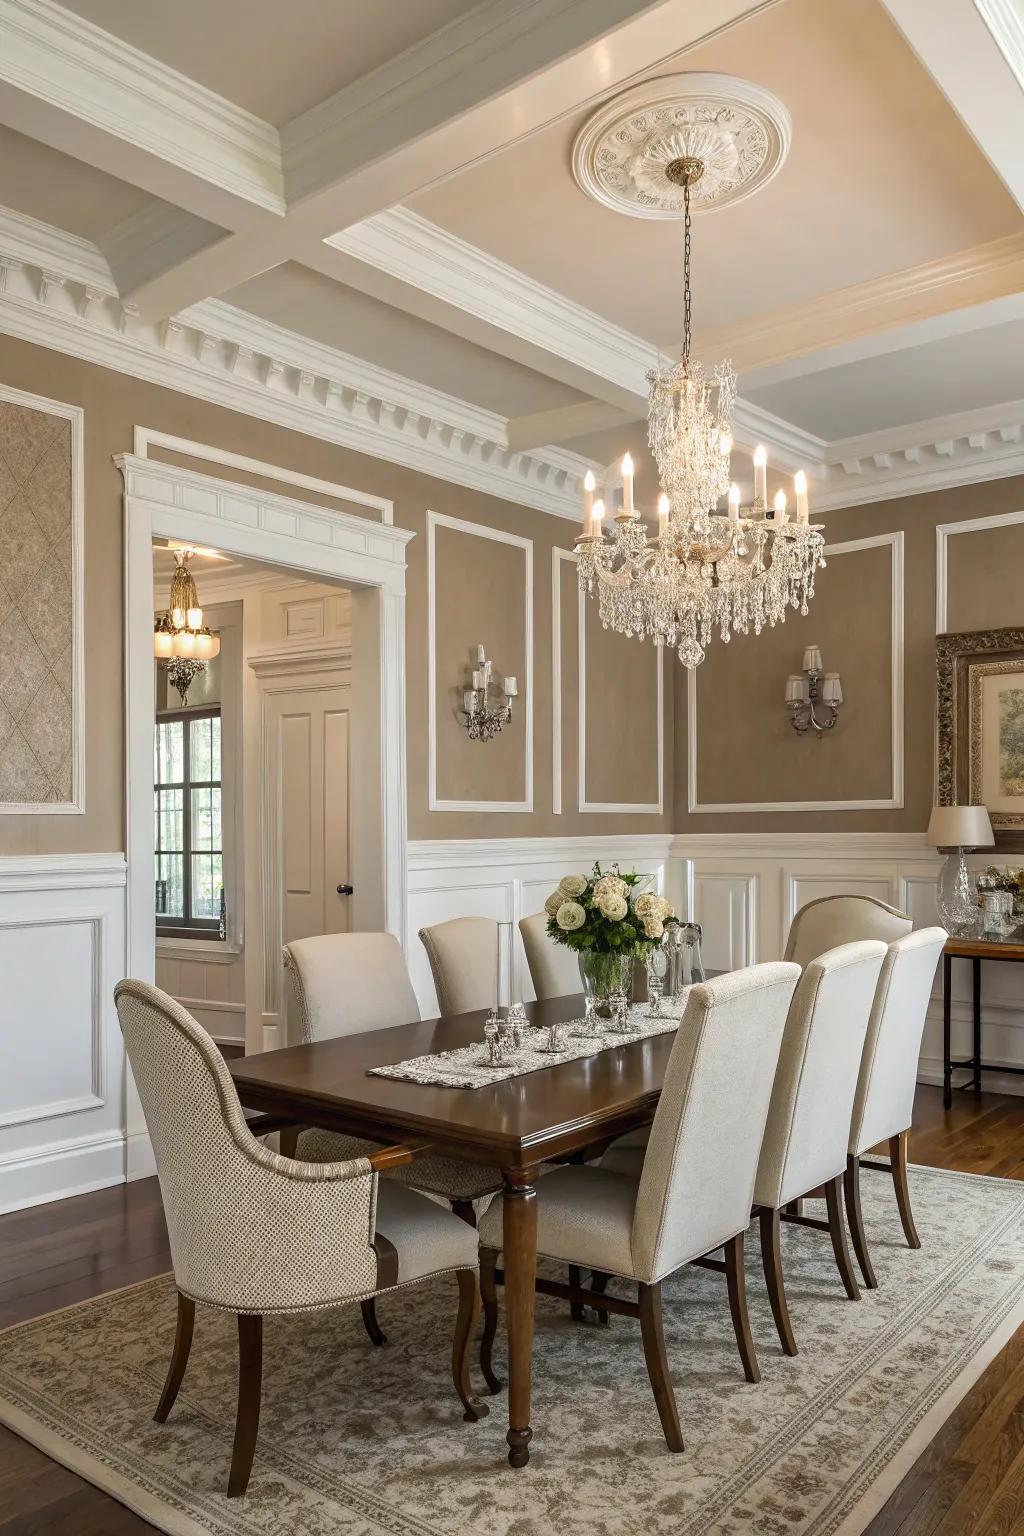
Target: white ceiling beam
<point>564,423</point>
<point>974,51</point>
<point>91,95</point>
<point>504,70</point>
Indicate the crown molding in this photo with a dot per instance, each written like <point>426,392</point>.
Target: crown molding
<point>1006,24</point>
<point>85,79</point>
<point>56,291</point>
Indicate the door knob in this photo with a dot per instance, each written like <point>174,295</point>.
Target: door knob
<point>345,890</point>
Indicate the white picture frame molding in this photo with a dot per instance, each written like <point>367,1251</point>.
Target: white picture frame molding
<point>435,802</point>
<point>895,542</point>
<point>76,416</point>
<point>943,533</point>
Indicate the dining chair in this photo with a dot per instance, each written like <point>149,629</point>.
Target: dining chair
<point>693,1193</point>
<point>884,1105</point>
<point>807,1131</point>
<point>463,955</point>
<point>344,984</point>
<point>554,969</point>
<point>829,921</point>
<point>255,1233</point>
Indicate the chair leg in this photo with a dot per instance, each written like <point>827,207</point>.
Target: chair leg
<point>250,1381</point>
<point>898,1158</point>
<point>465,1328</point>
<point>854,1215</point>
<point>771,1258</point>
<point>369,1310</point>
<point>489,1296</point>
<point>576,1309</point>
<point>463,1209</point>
<point>599,1282</point>
<point>179,1358</point>
<point>657,1364</point>
<point>837,1232</point>
<point>737,1282</point>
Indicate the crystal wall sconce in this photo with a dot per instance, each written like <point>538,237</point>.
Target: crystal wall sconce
<point>484,712</point>
<point>813,697</point>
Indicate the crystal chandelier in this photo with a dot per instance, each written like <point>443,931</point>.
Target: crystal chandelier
<point>735,570</point>
<point>180,638</point>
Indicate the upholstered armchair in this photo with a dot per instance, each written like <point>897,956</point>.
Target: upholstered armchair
<point>554,969</point>
<point>463,955</point>
<point>343,984</point>
<point>255,1233</point>
<point>884,1105</point>
<point>693,1193</point>
<point>833,920</point>
<point>807,1132</point>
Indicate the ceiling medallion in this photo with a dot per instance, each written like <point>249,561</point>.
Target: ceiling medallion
<point>623,154</point>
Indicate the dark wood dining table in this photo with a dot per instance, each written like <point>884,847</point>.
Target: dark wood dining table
<point>517,1125</point>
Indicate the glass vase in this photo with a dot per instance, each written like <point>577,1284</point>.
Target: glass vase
<point>957,897</point>
<point>607,983</point>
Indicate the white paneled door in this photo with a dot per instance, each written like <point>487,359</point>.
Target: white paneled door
<point>306,870</point>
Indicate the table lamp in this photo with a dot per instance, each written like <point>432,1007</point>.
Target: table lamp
<point>957,828</point>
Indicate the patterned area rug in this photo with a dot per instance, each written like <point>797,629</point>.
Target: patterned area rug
<point>371,1442</point>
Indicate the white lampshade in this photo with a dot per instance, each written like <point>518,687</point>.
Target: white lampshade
<point>204,647</point>
<point>832,688</point>
<point>185,644</point>
<point>960,826</point>
<point>195,618</point>
<point>812,659</point>
<point>797,691</point>
<point>162,643</point>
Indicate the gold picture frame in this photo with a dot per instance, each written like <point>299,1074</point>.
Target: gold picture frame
<point>980,738</point>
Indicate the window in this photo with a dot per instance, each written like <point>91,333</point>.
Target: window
<point>187,806</point>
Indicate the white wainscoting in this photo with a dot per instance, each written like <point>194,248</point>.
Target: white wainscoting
<point>62,1088</point>
<point>746,887</point>
<point>506,879</point>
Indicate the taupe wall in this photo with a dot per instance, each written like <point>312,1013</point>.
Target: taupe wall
<point>747,750</point>
<point>617,712</point>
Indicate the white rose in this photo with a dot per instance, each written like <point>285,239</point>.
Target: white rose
<point>653,927</point>
<point>611,885</point>
<point>553,903</point>
<point>570,916</point>
<point>646,905</point>
<point>614,908</point>
<point>665,908</point>
<point>572,885</point>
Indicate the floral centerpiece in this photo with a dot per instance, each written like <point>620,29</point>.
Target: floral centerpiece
<point>609,919</point>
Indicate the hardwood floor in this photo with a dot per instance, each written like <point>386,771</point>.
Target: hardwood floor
<point>969,1482</point>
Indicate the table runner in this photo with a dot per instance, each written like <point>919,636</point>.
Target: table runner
<point>470,1066</point>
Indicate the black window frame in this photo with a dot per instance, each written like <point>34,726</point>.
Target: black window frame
<point>189,927</point>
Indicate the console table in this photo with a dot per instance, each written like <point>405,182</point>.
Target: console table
<point>975,950</point>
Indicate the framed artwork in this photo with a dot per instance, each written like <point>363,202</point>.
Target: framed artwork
<point>980,695</point>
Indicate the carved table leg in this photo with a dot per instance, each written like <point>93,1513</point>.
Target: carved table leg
<point>520,1247</point>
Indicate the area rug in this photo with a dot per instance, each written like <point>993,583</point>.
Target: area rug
<point>371,1442</point>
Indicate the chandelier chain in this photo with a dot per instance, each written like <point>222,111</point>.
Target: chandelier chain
<point>687,299</point>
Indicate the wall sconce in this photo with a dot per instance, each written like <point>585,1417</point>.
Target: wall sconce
<point>813,697</point>
<point>482,718</point>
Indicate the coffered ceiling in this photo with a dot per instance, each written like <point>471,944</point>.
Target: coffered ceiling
<point>364,216</point>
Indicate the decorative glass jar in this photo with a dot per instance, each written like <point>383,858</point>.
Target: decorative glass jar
<point>607,979</point>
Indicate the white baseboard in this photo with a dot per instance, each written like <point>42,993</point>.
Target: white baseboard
<point>61,1169</point>
<point>139,1162</point>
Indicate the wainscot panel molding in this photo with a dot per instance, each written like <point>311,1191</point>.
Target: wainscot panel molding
<point>894,540</point>
<point>946,531</point>
<point>62,949</point>
<point>746,887</point>
<point>524,701</point>
<point>506,878</point>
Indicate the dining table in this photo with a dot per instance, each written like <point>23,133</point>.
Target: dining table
<point>517,1125</point>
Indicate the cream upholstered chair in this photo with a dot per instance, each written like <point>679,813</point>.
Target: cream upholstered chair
<point>694,1191</point>
<point>255,1233</point>
<point>884,1106</point>
<point>343,984</point>
<point>807,1132</point>
<point>554,969</point>
<point>463,955</point>
<point>833,920</point>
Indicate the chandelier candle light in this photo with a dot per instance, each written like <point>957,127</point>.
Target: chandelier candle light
<point>180,638</point>
<point>738,569</point>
